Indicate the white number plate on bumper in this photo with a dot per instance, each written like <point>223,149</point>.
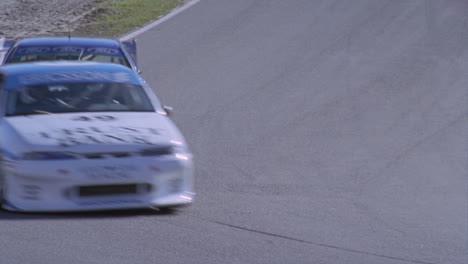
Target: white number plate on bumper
<point>109,172</point>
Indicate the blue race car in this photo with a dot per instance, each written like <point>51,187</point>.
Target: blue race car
<point>70,48</point>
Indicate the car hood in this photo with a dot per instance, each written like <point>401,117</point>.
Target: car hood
<point>96,130</point>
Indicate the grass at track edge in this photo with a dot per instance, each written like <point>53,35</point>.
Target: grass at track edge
<point>114,18</point>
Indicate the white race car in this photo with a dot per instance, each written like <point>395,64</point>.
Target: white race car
<point>87,136</point>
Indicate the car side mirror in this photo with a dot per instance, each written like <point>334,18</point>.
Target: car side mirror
<point>168,110</point>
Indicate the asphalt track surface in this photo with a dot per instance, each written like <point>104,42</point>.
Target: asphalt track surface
<point>324,132</point>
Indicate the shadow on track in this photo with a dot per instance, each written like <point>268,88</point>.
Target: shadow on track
<point>6,215</point>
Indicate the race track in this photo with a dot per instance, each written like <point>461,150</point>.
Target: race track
<point>324,131</point>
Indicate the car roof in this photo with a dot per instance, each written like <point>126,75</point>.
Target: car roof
<point>48,72</point>
<point>61,41</point>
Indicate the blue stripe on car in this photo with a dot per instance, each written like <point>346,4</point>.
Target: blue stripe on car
<point>9,155</point>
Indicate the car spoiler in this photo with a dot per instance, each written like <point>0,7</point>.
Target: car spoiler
<point>131,47</point>
<point>5,45</point>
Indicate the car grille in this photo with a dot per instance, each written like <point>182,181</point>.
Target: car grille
<point>104,155</point>
<point>157,151</point>
<point>104,190</point>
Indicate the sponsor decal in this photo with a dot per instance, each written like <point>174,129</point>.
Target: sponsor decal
<point>104,135</point>
<point>68,49</point>
<point>32,50</point>
<point>103,51</point>
<point>47,50</point>
<point>74,76</point>
<point>109,172</point>
<point>94,118</point>
<point>31,192</point>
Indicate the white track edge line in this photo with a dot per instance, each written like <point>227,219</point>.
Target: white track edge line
<point>170,15</point>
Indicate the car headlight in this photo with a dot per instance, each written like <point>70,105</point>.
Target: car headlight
<point>48,156</point>
<point>176,150</point>
<point>157,151</point>
<point>181,152</point>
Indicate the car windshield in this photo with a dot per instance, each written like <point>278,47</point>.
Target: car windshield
<point>77,97</point>
<point>44,53</point>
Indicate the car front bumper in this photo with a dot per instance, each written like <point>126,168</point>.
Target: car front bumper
<point>83,185</point>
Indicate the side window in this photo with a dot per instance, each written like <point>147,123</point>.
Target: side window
<point>7,56</point>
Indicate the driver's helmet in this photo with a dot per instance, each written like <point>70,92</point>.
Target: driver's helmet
<point>95,87</point>
<point>34,94</point>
